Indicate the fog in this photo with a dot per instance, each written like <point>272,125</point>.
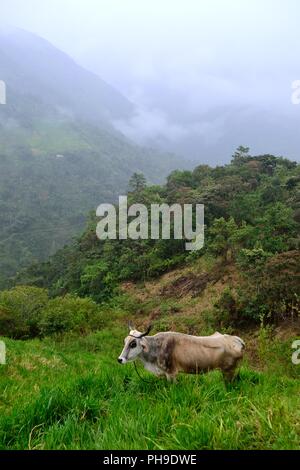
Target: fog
<point>187,66</point>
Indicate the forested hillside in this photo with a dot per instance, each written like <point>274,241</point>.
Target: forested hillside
<point>62,386</point>
<point>59,155</point>
<point>252,215</point>
<point>51,176</point>
<point>119,329</point>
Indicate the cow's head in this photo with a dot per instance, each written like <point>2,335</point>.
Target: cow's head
<point>135,344</point>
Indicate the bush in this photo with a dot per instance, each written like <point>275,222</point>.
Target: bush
<point>226,309</point>
<point>27,312</point>
<point>97,281</point>
<point>20,311</point>
<point>268,292</point>
<point>70,313</point>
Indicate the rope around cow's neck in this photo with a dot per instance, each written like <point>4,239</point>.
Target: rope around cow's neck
<point>141,378</point>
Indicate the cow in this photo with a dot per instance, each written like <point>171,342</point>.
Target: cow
<point>167,354</point>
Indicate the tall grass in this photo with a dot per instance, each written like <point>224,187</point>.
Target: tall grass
<point>73,394</point>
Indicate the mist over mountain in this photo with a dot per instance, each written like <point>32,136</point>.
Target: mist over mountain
<point>69,140</point>
<point>204,78</point>
<point>204,111</point>
<point>31,65</point>
<point>198,81</point>
<point>191,110</point>
<point>212,136</point>
<point>60,156</point>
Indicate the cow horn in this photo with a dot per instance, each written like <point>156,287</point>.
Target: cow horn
<point>146,332</point>
<point>130,326</point>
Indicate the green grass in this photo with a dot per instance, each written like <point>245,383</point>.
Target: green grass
<point>72,394</point>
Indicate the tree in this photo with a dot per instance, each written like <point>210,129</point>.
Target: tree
<point>276,228</point>
<point>221,237</point>
<point>240,155</point>
<point>137,183</point>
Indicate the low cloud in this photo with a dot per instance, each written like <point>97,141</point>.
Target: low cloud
<point>155,126</point>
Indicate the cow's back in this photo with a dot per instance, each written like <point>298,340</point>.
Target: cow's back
<point>194,354</point>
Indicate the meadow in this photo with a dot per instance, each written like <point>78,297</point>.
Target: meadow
<point>70,393</point>
<point>62,387</point>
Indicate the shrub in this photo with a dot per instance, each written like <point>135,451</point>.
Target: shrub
<point>97,281</point>
<point>27,312</point>
<point>20,311</point>
<point>68,313</point>
<point>268,292</point>
<point>226,309</point>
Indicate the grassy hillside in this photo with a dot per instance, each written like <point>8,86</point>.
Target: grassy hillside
<point>62,387</point>
<point>72,394</point>
<point>67,391</point>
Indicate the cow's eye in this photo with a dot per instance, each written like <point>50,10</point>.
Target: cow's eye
<point>133,344</point>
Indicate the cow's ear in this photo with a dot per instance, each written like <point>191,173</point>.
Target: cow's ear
<point>144,345</point>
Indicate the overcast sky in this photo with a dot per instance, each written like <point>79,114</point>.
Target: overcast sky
<point>176,56</point>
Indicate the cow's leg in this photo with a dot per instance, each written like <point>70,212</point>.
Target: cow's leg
<point>171,378</point>
<point>229,369</point>
<point>233,372</point>
<point>160,375</point>
<point>229,375</point>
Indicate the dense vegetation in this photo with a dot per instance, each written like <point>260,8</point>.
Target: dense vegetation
<point>252,215</point>
<point>64,318</point>
<point>51,176</point>
<point>63,389</point>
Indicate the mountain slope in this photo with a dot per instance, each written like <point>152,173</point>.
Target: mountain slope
<point>30,65</point>
<point>251,251</point>
<point>59,156</point>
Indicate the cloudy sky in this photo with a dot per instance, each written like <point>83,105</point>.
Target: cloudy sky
<point>177,60</point>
